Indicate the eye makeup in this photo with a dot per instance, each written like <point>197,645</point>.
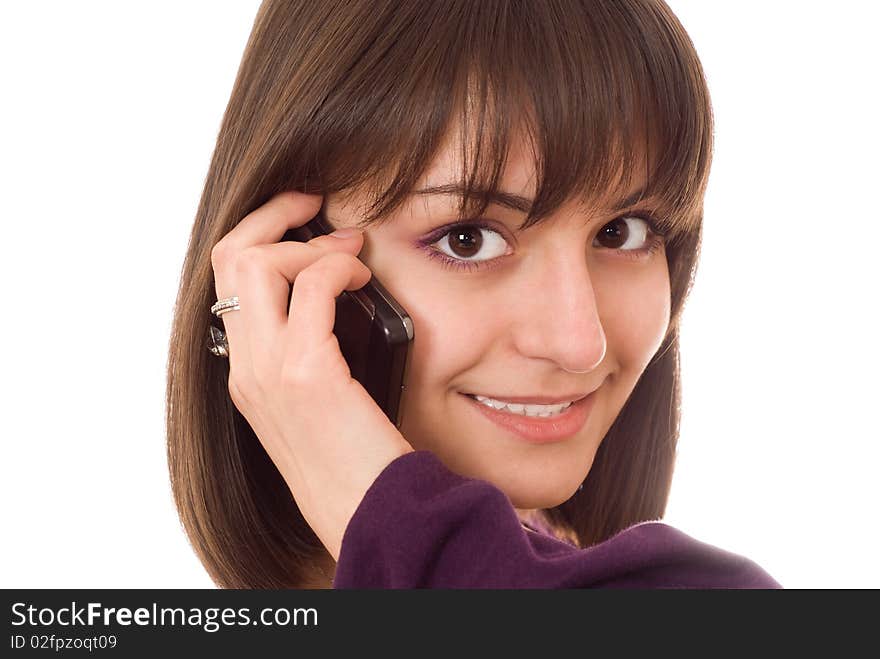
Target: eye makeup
<point>655,239</point>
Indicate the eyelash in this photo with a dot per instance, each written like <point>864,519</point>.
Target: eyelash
<point>655,242</point>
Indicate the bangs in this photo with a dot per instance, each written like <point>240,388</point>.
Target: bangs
<point>605,96</point>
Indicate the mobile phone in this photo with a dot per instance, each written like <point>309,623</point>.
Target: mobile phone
<point>373,330</point>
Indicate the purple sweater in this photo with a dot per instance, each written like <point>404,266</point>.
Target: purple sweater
<point>421,525</point>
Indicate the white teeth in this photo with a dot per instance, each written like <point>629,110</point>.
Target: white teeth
<point>525,410</point>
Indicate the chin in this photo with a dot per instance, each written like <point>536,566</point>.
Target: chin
<point>535,490</point>
<point>543,497</point>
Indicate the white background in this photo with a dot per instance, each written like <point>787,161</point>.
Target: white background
<point>108,119</point>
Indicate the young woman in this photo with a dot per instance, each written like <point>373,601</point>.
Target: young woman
<point>526,179</point>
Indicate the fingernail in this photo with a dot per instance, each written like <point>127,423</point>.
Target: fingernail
<point>345,233</point>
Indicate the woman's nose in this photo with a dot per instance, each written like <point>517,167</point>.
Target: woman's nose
<point>559,317</point>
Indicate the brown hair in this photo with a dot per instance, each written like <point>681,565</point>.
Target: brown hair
<point>334,96</point>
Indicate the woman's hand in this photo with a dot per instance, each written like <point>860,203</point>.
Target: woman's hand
<point>287,376</point>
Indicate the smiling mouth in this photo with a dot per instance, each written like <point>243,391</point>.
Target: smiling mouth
<point>537,424</point>
<point>536,410</point>
<point>533,400</point>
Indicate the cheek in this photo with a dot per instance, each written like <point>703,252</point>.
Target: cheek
<point>636,317</point>
<point>450,335</point>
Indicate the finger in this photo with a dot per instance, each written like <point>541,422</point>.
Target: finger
<point>268,223</point>
<point>313,308</point>
<point>264,274</point>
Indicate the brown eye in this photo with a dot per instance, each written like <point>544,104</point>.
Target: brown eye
<point>471,244</point>
<point>619,232</point>
<point>465,241</point>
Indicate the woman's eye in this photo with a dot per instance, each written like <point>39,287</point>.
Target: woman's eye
<point>630,233</point>
<point>471,244</point>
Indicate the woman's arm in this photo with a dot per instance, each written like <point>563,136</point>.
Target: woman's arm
<point>421,525</point>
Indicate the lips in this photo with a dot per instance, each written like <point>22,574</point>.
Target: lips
<point>529,409</point>
<point>534,400</point>
<point>538,430</point>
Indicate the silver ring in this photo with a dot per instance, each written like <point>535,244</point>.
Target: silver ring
<point>220,307</point>
<point>217,342</point>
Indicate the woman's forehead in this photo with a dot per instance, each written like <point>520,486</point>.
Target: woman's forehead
<point>518,181</point>
<point>609,182</point>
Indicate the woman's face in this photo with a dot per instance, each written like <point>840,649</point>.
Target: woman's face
<point>547,301</point>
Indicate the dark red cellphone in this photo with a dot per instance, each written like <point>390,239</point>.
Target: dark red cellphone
<point>373,330</point>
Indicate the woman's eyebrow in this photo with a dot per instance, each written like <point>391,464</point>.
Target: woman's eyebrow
<point>506,199</point>
<point>514,201</point>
